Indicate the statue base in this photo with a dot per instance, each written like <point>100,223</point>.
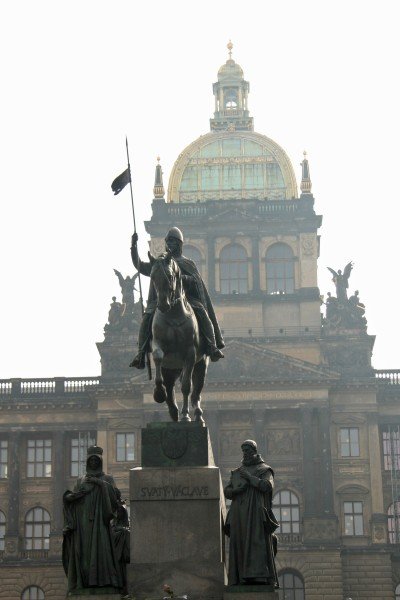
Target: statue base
<point>177,509</point>
<point>250,592</point>
<point>95,594</point>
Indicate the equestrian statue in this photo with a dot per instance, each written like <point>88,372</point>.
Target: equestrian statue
<point>179,326</point>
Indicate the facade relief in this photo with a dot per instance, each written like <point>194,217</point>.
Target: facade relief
<point>230,440</point>
<point>283,442</point>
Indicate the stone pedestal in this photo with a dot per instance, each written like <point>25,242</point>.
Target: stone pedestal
<point>250,592</point>
<point>96,596</point>
<point>177,514</point>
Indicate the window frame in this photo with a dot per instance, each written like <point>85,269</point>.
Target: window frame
<point>349,443</point>
<point>290,507</point>
<point>298,593</point>
<point>3,526</point>
<point>393,523</point>
<point>30,589</point>
<point>353,517</point>
<point>124,447</point>
<point>36,462</point>
<point>288,271</point>
<point>4,450</point>
<point>87,440</point>
<point>390,440</point>
<point>42,526</point>
<point>236,279</point>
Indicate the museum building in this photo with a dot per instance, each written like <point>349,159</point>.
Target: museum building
<point>299,382</point>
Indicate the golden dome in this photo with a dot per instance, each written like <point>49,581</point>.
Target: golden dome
<point>232,165</point>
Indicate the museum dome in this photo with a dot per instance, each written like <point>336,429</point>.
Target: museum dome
<point>232,162</point>
<point>232,165</point>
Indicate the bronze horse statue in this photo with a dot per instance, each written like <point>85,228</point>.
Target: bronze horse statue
<point>177,347</point>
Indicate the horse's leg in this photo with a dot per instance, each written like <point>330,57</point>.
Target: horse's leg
<point>159,392</point>
<point>169,378</point>
<point>187,372</point>
<point>199,375</point>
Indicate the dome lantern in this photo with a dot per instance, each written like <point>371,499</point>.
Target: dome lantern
<point>231,92</point>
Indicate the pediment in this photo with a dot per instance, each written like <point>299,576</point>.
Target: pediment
<point>251,362</point>
<point>353,490</point>
<point>232,214</point>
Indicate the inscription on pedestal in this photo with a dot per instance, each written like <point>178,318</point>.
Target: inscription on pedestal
<point>168,492</point>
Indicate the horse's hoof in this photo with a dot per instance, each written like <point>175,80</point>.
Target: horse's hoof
<point>185,419</point>
<point>173,412</point>
<point>198,418</point>
<point>160,394</point>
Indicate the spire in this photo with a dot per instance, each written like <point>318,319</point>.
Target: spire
<point>158,189</point>
<point>305,185</point>
<point>231,91</point>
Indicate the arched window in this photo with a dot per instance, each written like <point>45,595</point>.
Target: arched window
<point>233,270</point>
<point>291,586</point>
<point>194,254</point>
<point>2,529</point>
<point>286,510</point>
<point>397,592</point>
<point>394,523</point>
<point>280,269</point>
<point>37,529</point>
<point>33,592</point>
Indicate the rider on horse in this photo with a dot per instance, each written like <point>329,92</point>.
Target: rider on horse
<point>196,293</point>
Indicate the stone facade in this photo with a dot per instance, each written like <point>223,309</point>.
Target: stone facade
<point>305,389</point>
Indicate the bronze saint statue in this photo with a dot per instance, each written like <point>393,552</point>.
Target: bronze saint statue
<point>89,556</point>
<point>250,523</point>
<point>196,293</point>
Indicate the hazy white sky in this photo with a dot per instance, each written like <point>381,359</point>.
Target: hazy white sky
<point>78,75</point>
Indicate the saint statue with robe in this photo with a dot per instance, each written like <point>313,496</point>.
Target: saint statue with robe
<point>89,555</point>
<point>250,522</point>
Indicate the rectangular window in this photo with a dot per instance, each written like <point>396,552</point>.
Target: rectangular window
<point>125,447</point>
<point>349,442</point>
<point>78,456</point>
<point>353,518</point>
<point>3,459</point>
<point>391,448</point>
<point>38,458</point>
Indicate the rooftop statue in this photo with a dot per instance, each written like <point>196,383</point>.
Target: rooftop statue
<point>89,556</point>
<point>127,288</point>
<point>179,324</point>
<point>341,281</point>
<point>343,312</point>
<point>250,522</point>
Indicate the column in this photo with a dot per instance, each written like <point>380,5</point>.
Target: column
<point>211,264</point>
<point>59,449</point>
<point>310,491</point>
<point>14,494</point>
<point>256,264</point>
<point>325,462</point>
<point>259,430</point>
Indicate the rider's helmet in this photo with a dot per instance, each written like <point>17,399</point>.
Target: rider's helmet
<point>176,233</point>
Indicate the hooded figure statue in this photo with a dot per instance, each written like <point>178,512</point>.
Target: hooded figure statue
<point>89,557</point>
<point>250,522</point>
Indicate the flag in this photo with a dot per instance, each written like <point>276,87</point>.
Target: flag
<point>121,181</point>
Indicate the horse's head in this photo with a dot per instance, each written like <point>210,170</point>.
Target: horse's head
<point>166,278</point>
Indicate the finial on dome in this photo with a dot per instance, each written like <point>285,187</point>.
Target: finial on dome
<point>305,184</point>
<point>230,46</point>
<point>158,189</point>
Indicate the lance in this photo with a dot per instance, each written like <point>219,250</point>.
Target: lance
<point>148,364</point>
